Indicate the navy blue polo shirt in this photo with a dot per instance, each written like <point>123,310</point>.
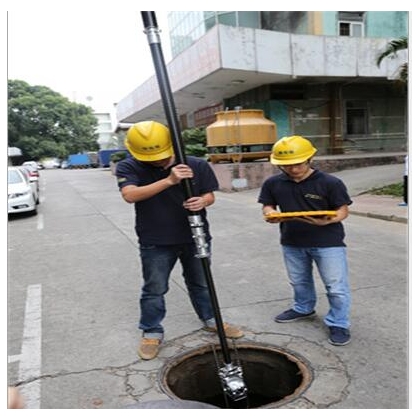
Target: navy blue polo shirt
<point>320,191</point>
<point>162,220</point>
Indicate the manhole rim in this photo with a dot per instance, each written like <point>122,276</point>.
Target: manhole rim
<point>302,363</point>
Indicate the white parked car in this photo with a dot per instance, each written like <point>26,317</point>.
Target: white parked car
<point>32,167</point>
<point>21,195</point>
<point>32,163</point>
<point>52,163</point>
<point>33,178</point>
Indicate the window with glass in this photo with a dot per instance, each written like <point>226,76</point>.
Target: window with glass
<point>186,27</point>
<point>351,24</point>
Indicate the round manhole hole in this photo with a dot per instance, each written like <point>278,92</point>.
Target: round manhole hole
<point>273,376</point>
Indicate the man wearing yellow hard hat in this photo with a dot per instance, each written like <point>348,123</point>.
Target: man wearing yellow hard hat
<point>310,206</point>
<point>150,178</point>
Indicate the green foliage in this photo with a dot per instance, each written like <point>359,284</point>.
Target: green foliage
<point>391,50</point>
<point>43,123</point>
<point>117,156</point>
<point>395,190</point>
<point>195,141</point>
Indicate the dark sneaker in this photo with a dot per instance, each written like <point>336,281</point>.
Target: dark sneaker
<point>339,336</point>
<point>291,315</point>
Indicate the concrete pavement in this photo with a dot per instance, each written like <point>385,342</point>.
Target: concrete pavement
<point>380,207</point>
<point>368,373</point>
<point>95,365</point>
<point>361,180</point>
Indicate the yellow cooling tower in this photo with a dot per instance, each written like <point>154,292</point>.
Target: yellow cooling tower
<point>240,135</point>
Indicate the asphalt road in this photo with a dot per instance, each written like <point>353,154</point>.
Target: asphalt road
<point>74,279</point>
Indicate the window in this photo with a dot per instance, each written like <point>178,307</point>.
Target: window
<point>249,19</point>
<point>227,18</point>
<point>351,29</point>
<point>351,24</point>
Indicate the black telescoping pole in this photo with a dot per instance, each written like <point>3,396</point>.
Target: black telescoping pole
<point>152,31</point>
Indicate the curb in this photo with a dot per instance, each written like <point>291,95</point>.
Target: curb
<point>391,218</point>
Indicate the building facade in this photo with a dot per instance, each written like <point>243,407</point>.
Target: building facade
<point>312,73</point>
<point>105,130</point>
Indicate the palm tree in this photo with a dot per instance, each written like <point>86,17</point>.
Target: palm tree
<point>391,49</point>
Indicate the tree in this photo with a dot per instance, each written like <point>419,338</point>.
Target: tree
<point>392,49</point>
<point>195,141</point>
<point>42,123</point>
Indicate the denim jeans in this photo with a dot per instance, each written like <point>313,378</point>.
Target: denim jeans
<point>157,264</point>
<point>332,267</point>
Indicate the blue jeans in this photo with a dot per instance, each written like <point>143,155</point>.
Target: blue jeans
<point>157,264</point>
<point>332,267</point>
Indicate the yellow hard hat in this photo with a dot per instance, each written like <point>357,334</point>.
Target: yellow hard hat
<point>149,141</point>
<point>291,151</point>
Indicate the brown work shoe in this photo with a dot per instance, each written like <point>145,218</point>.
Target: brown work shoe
<point>230,330</point>
<point>149,348</point>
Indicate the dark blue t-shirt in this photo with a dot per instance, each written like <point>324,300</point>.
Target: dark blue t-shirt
<point>162,220</point>
<point>320,191</point>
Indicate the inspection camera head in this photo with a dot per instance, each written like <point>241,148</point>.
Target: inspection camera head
<point>233,383</point>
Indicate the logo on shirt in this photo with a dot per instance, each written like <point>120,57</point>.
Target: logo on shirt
<point>313,196</point>
<point>122,179</point>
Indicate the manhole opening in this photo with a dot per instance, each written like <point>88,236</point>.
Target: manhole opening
<point>270,374</point>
